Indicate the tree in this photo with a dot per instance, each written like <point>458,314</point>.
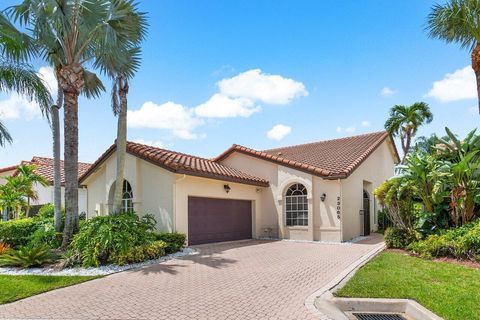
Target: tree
<point>83,32</point>
<point>11,199</point>
<point>27,179</point>
<point>404,122</point>
<point>457,21</point>
<point>15,75</point>
<point>121,73</point>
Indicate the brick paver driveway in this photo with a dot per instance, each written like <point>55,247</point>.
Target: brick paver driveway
<point>240,280</point>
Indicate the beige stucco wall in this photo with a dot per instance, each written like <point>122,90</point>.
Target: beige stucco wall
<point>323,222</point>
<point>202,187</point>
<point>377,168</point>
<point>152,189</point>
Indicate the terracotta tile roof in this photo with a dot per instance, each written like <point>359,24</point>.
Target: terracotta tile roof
<point>44,168</point>
<point>5,169</point>
<point>181,163</point>
<point>331,159</point>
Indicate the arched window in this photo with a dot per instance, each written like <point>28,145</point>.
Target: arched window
<point>127,197</point>
<point>296,205</point>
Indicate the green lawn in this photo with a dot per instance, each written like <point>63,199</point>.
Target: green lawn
<point>18,287</point>
<point>451,291</point>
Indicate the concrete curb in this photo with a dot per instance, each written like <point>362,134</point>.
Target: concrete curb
<point>344,275</point>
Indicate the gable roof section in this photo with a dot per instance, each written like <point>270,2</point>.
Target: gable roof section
<point>330,159</point>
<point>181,163</point>
<point>44,168</point>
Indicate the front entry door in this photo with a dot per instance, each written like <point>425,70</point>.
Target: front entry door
<point>366,214</point>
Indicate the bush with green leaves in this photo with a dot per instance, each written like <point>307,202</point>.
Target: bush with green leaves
<point>399,238</point>
<point>28,256</point>
<point>175,241</point>
<point>461,243</point>
<point>102,237</point>
<point>18,232</point>
<point>140,253</point>
<point>45,234</point>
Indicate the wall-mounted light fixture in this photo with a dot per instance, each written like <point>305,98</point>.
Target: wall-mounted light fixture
<point>323,197</point>
<point>227,188</point>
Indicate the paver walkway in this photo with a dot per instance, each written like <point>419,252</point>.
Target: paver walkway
<point>240,280</point>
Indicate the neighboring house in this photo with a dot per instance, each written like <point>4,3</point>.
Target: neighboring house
<point>44,168</point>
<point>316,191</point>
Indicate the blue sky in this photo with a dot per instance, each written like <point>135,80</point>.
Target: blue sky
<point>320,69</point>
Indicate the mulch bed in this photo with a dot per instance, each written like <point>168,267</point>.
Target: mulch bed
<point>466,263</point>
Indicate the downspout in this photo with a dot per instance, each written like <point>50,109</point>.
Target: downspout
<point>341,209</point>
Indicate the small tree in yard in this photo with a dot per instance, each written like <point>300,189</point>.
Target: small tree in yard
<point>404,122</point>
<point>27,178</point>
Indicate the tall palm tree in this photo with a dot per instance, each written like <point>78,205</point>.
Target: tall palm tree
<point>28,179</point>
<point>84,31</point>
<point>120,74</point>
<point>458,21</point>
<point>404,122</point>
<point>17,76</point>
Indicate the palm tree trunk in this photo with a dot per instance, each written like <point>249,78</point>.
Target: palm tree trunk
<point>476,68</point>
<point>121,146</point>
<point>27,212</point>
<point>71,81</point>
<point>57,187</point>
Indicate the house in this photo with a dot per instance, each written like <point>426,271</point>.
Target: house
<point>44,168</point>
<point>316,191</point>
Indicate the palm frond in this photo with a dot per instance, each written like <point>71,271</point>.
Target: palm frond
<point>5,136</point>
<point>93,85</point>
<point>25,81</point>
<point>456,22</point>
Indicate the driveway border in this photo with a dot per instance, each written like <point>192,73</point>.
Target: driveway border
<point>343,277</point>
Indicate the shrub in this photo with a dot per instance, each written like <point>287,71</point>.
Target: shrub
<point>4,248</point>
<point>399,238</point>
<point>18,232</point>
<point>462,243</point>
<point>46,211</point>
<point>175,241</point>
<point>101,237</point>
<point>46,235</point>
<point>140,253</point>
<point>28,256</point>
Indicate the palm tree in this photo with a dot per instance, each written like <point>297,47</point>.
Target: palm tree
<point>11,199</point>
<point>404,122</point>
<point>83,32</point>
<point>121,73</point>
<point>15,75</point>
<point>458,21</point>
<point>28,178</point>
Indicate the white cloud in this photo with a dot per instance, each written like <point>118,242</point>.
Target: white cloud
<point>387,92</point>
<point>170,116</point>
<point>459,85</point>
<point>48,76</point>
<point>279,131</point>
<point>221,106</point>
<point>158,144</point>
<point>365,123</point>
<point>16,106</point>
<point>258,86</point>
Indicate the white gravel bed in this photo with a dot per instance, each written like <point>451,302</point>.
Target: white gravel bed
<point>100,271</point>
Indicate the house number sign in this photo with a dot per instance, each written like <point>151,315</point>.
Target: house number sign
<point>338,208</point>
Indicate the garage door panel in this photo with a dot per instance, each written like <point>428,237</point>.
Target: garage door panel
<point>215,220</point>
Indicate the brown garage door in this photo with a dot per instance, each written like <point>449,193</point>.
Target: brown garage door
<point>215,220</point>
